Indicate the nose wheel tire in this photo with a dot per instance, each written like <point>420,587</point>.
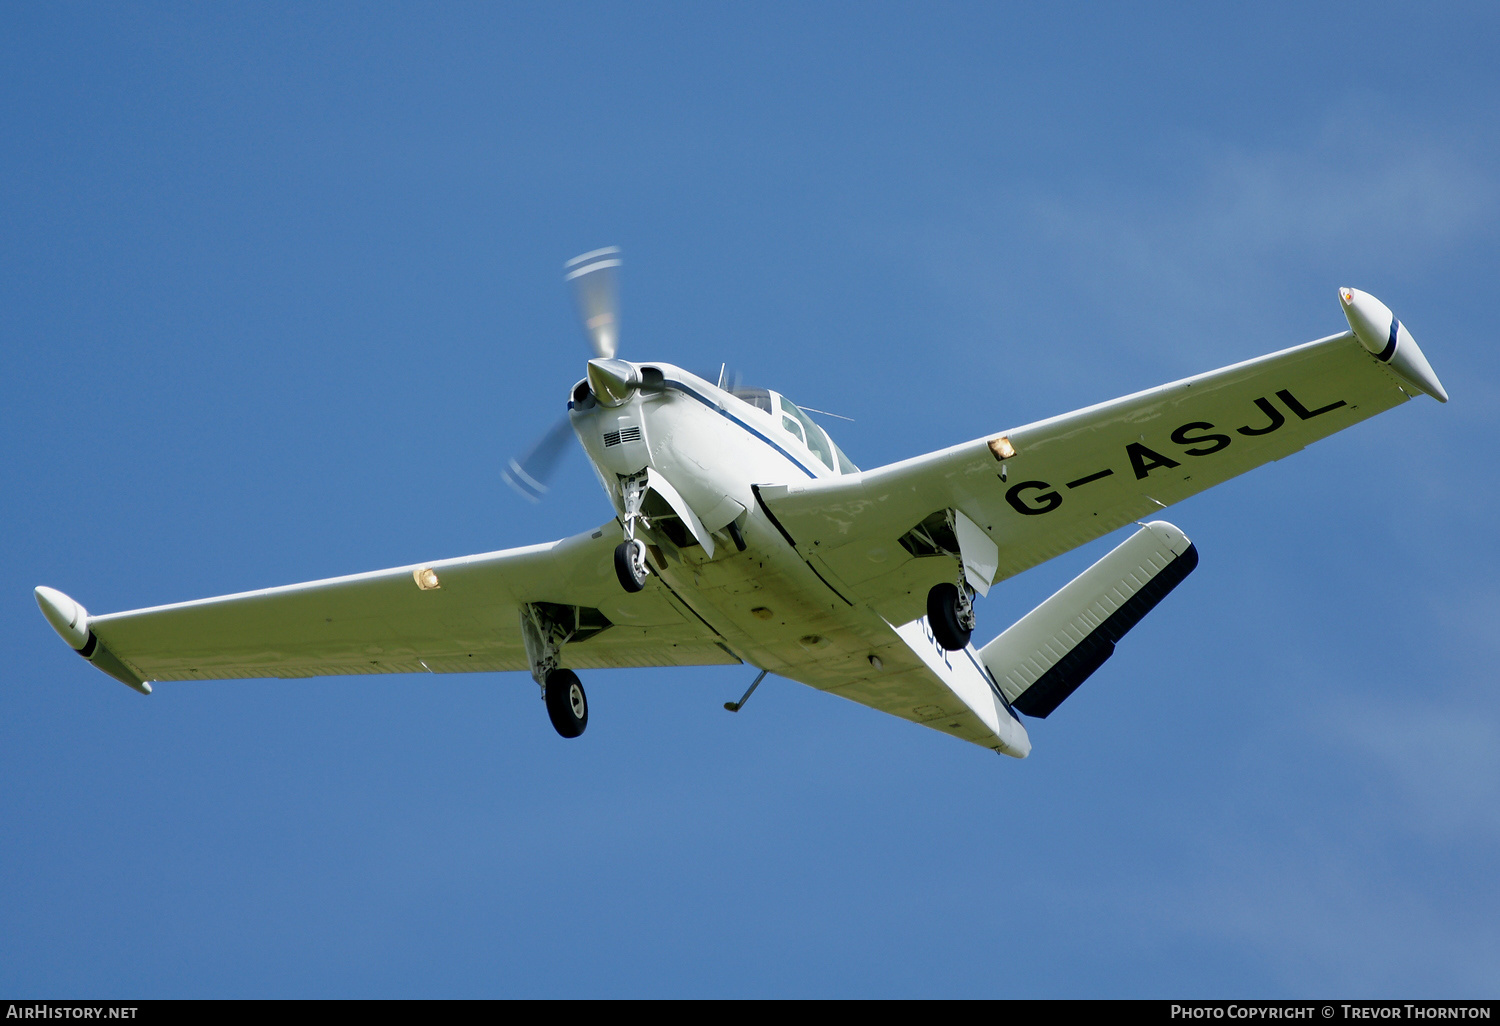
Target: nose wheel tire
<point>943,617</point>
<point>567,705</point>
<point>630,564</point>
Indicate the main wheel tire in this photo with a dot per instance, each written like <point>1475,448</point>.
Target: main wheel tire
<point>567,705</point>
<point>942,617</point>
<point>630,564</point>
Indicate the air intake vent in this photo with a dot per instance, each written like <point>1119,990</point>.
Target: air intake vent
<point>627,433</point>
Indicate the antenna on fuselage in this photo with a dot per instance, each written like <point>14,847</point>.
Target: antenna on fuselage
<point>838,416</point>
<point>737,706</point>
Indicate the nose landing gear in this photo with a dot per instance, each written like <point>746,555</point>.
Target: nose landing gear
<point>630,564</point>
<point>630,554</point>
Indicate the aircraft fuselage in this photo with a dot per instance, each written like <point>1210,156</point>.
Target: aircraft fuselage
<point>768,604</point>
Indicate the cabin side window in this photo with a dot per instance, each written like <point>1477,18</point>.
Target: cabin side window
<point>814,438</point>
<point>801,427</point>
<point>846,465</point>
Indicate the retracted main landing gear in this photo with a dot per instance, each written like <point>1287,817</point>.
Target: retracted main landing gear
<point>567,705</point>
<point>630,554</point>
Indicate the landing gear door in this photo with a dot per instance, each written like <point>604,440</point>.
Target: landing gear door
<point>661,486</point>
<point>980,555</point>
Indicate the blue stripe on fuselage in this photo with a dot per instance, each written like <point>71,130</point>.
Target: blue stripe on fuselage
<point>687,389</point>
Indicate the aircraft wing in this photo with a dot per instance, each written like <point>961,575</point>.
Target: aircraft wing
<point>1045,488</point>
<point>386,622</point>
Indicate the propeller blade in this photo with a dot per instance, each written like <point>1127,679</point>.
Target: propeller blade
<point>593,276</point>
<point>529,474</point>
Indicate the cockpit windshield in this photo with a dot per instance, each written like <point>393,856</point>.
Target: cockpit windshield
<point>800,426</point>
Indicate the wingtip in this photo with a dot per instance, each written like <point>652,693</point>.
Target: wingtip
<point>71,621</point>
<point>66,616</point>
<point>1390,341</point>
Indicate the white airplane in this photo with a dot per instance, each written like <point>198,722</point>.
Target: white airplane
<point>744,535</point>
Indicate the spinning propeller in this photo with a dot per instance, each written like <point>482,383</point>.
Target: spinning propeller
<point>595,280</point>
<point>595,286</point>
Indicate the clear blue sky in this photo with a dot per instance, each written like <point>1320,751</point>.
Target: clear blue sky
<point>280,291</point>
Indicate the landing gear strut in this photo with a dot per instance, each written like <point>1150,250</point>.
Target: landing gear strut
<point>950,614</point>
<point>544,636</point>
<point>567,705</point>
<point>630,554</point>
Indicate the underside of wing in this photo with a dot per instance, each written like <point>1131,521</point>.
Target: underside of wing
<point>450,616</point>
<point>1045,488</point>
